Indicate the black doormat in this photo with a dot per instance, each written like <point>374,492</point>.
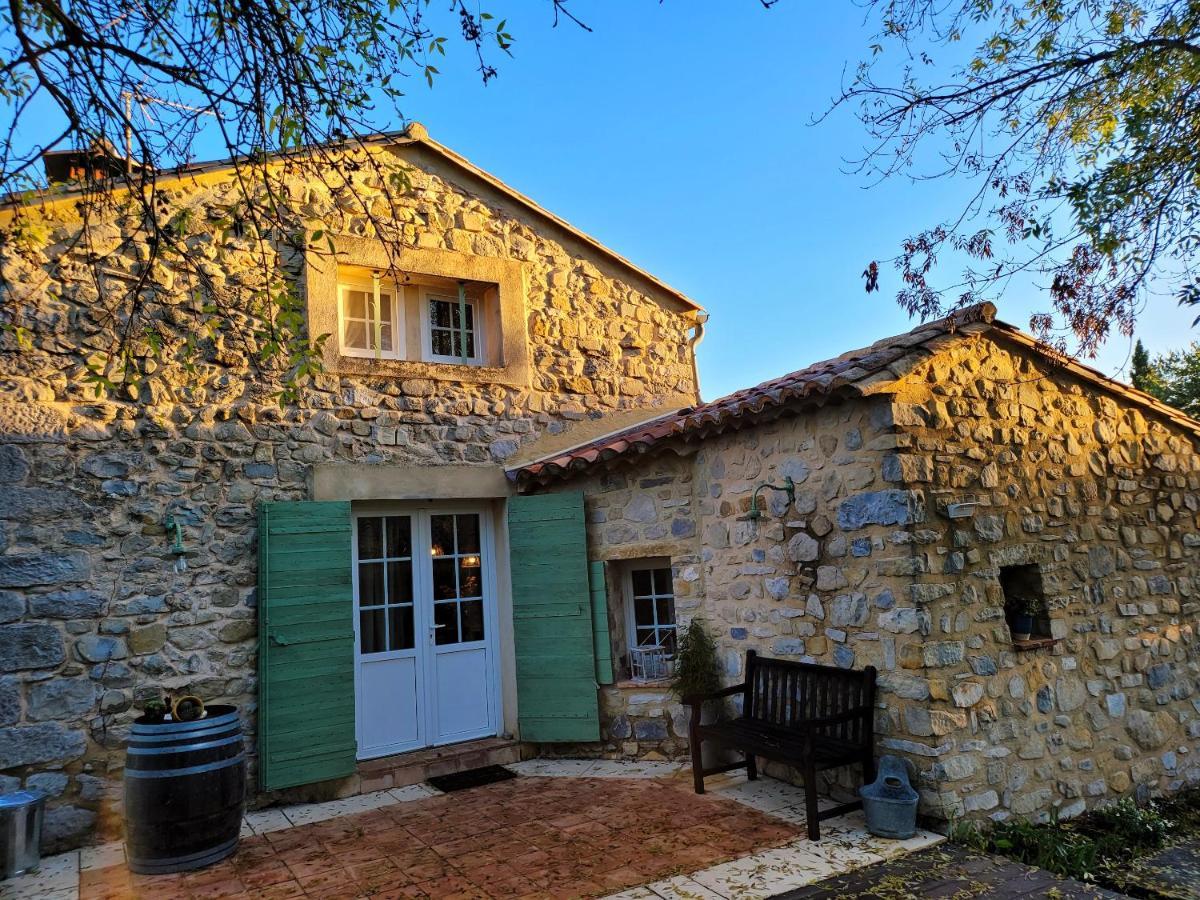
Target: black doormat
<point>460,781</point>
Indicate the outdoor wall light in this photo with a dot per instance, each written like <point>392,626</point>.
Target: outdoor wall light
<point>755,513</point>
<point>175,536</point>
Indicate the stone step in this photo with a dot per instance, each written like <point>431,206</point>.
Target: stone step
<point>413,768</point>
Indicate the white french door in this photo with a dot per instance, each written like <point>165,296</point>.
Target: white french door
<point>424,620</point>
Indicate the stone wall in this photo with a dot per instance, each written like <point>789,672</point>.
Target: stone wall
<point>94,615</point>
<point>866,568</point>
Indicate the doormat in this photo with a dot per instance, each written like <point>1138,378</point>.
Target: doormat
<point>471,778</point>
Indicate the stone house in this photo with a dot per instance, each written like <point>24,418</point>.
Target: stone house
<point>940,478</point>
<point>467,537</point>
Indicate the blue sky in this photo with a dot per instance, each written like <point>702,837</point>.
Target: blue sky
<point>680,135</point>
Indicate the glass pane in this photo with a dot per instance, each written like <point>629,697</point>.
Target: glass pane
<point>400,624</point>
<point>468,533</point>
<point>643,611</point>
<point>446,616</point>
<point>662,581</point>
<point>370,584</point>
<point>666,610</point>
<point>470,317</point>
<point>356,305</point>
<point>457,343</point>
<point>400,587</point>
<point>444,586</point>
<point>399,536</point>
<point>471,344</point>
<point>385,337</point>
<point>385,306</point>
<point>642,584</point>
<point>647,637</point>
<point>355,336</point>
<point>442,534</point>
<point>470,581</point>
<point>472,620</point>
<point>370,631</point>
<point>370,538</point>
<point>666,639</point>
<point>439,313</point>
<point>441,343</point>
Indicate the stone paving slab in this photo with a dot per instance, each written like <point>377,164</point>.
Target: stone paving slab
<point>952,872</point>
<point>1173,872</point>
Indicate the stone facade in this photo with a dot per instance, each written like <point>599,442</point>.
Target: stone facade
<point>867,568</point>
<point>94,613</point>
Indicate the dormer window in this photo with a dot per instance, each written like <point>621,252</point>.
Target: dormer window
<point>370,320</point>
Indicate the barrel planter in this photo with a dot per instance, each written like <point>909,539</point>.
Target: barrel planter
<point>185,786</point>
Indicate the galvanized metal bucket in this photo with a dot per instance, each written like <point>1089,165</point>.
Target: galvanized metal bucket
<point>890,803</point>
<point>20,831</point>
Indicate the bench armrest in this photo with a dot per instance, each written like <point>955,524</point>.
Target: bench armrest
<point>695,699</point>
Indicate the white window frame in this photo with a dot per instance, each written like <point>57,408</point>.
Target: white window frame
<point>480,330</point>
<point>356,283</point>
<point>641,565</point>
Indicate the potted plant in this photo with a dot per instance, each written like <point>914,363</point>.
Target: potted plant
<point>154,710</point>
<point>1025,609</point>
<point>698,671</point>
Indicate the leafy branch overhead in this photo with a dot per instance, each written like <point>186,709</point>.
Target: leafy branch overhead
<point>141,87</point>
<point>1077,123</point>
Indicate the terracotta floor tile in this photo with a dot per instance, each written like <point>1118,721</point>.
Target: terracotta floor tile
<point>525,838</point>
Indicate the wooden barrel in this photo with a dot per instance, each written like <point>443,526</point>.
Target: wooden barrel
<point>185,786</point>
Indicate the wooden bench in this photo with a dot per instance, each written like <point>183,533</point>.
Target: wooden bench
<point>804,715</point>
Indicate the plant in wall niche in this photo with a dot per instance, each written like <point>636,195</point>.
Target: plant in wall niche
<point>1024,611</point>
<point>697,668</point>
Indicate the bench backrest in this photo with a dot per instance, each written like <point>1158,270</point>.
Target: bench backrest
<point>785,693</point>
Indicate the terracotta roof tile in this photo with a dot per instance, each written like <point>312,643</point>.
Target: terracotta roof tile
<point>857,373</point>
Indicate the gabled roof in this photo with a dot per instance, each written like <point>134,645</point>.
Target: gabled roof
<point>414,135</point>
<point>859,373</point>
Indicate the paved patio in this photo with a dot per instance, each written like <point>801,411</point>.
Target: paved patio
<point>569,828</point>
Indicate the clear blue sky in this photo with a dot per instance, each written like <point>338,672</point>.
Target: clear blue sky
<point>679,135</point>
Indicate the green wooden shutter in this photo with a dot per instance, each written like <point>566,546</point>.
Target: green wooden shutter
<point>306,644</point>
<point>601,637</point>
<point>557,696</point>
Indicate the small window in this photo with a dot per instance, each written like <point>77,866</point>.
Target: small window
<point>1025,603</point>
<point>365,328</point>
<point>649,606</point>
<point>384,583</point>
<point>452,329</point>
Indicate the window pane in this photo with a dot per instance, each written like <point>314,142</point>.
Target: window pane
<point>441,343</point>
<point>641,582</point>
<point>666,610</point>
<point>355,336</point>
<point>370,584</point>
<point>472,620</point>
<point>370,631</point>
<point>666,639</point>
<point>400,588</point>
<point>356,305</point>
<point>370,538</point>
<point>439,314</point>
<point>468,533</point>
<point>442,534</point>
<point>385,306</point>
<point>444,586</point>
<point>399,536</point>
<point>400,623</point>
<point>647,637</point>
<point>662,581</point>
<point>446,616</point>
<point>471,344</point>
<point>643,611</point>
<point>470,317</point>
<point>385,337</point>
<point>470,582</point>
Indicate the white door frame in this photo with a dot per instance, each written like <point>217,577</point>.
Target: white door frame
<point>424,649</point>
